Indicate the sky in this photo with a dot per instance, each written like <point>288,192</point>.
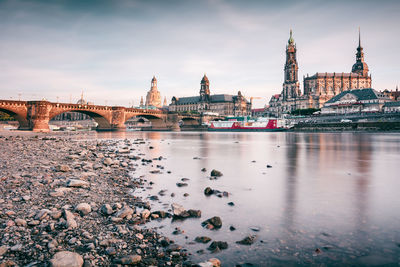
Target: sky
<point>110,50</point>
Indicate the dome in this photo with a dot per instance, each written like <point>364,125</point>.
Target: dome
<point>359,67</point>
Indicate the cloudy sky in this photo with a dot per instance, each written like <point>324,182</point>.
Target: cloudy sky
<point>112,49</point>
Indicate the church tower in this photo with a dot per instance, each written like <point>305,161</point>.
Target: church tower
<point>291,85</point>
<point>360,67</point>
<point>153,97</point>
<point>204,89</point>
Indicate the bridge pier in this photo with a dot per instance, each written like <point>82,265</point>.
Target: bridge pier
<point>38,115</point>
<point>173,122</point>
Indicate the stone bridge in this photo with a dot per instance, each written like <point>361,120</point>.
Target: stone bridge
<point>35,115</point>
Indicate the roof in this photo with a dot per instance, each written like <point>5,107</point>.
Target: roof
<point>392,104</point>
<point>221,98</point>
<point>360,94</point>
<point>188,100</point>
<point>334,74</point>
<point>213,99</point>
<point>258,110</point>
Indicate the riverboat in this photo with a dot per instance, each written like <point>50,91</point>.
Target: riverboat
<point>245,124</point>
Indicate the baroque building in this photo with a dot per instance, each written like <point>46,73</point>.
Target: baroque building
<point>319,87</point>
<point>153,97</point>
<point>223,104</point>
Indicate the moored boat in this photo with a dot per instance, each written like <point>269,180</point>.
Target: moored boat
<point>244,124</point>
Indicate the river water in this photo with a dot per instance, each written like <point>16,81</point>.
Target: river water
<point>329,198</point>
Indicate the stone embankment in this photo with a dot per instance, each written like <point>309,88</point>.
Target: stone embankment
<point>66,202</point>
<point>348,126</point>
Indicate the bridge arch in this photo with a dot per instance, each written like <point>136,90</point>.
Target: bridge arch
<point>156,121</point>
<point>102,122</point>
<point>19,116</point>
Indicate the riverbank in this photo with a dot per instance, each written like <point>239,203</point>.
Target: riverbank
<point>70,200</point>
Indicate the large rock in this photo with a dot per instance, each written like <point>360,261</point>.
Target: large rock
<point>83,208</point>
<point>66,259</point>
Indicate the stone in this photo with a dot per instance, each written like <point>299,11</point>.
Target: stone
<point>83,208</point>
<point>124,212</point>
<point>181,184</point>
<point>106,209</point>
<point>215,222</point>
<point>231,204</point>
<point>210,263</point>
<point>203,169</point>
<point>208,191</point>
<point>17,247</point>
<point>58,192</point>
<point>123,150</point>
<point>129,260</point>
<point>248,240</point>
<point>41,214</point>
<point>3,250</point>
<point>70,221</point>
<point>111,251</point>
<point>194,213</point>
<point>77,183</point>
<point>216,173</point>
<point>66,259</point>
<point>145,214</point>
<point>108,161</point>
<point>177,210</point>
<point>63,168</point>
<point>202,239</point>
<point>218,245</point>
<point>20,222</point>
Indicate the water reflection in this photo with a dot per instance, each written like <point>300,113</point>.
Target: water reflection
<point>334,191</point>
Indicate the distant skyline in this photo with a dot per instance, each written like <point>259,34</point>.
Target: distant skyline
<point>111,49</point>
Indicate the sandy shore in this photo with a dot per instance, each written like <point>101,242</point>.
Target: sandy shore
<point>69,199</point>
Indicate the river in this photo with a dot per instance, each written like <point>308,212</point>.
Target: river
<point>329,198</point>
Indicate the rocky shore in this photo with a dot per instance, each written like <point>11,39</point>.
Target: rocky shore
<point>71,202</point>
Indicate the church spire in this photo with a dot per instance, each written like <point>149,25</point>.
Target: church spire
<point>360,66</point>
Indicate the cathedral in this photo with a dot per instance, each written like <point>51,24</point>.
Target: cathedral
<point>319,87</point>
<point>223,104</point>
<point>153,98</point>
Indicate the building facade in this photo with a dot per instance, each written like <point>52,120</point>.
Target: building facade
<point>318,88</point>
<point>153,97</point>
<point>222,104</point>
<point>356,101</point>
